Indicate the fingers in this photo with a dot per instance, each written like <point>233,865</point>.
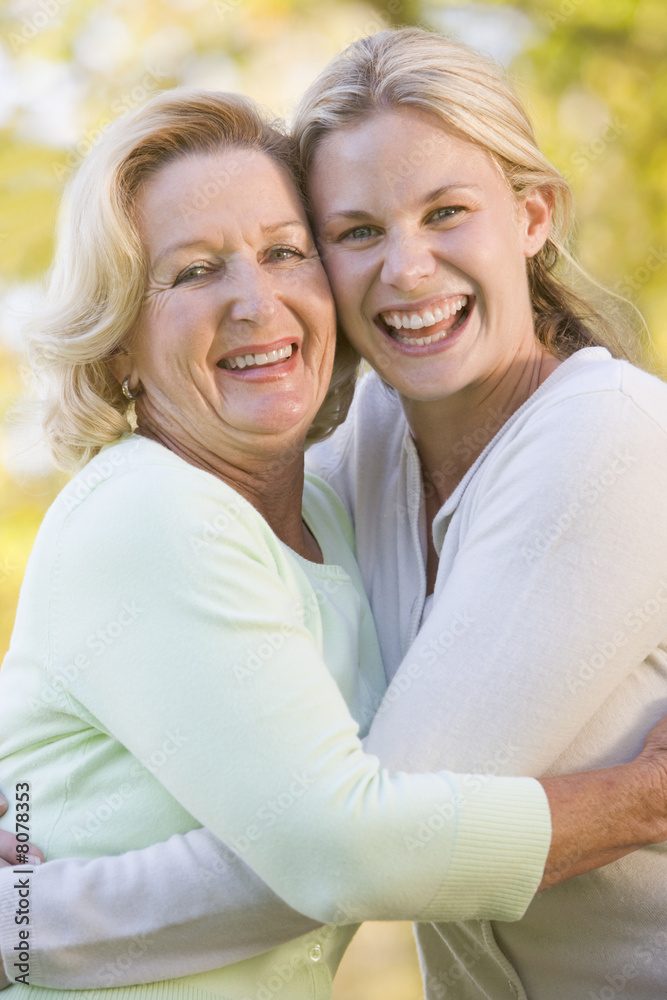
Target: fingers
<point>3,804</point>
<point>10,856</point>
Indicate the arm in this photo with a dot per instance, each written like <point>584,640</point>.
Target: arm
<point>247,736</point>
<point>553,593</point>
<point>571,804</point>
<point>182,906</point>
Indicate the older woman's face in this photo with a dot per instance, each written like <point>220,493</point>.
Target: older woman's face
<point>235,341</point>
<point>425,247</point>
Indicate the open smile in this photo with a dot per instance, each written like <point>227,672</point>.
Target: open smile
<point>440,319</point>
<point>252,359</point>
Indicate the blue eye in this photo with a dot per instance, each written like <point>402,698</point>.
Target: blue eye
<point>447,212</point>
<point>358,233</point>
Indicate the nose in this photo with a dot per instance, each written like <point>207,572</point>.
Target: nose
<point>253,298</point>
<point>407,261</point>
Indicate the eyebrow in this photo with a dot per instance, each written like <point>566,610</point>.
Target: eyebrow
<point>447,188</point>
<point>193,244</point>
<point>358,213</point>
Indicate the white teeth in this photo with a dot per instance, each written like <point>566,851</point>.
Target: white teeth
<point>422,341</point>
<point>246,360</point>
<point>418,320</point>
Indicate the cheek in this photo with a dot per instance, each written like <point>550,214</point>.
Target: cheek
<point>348,286</point>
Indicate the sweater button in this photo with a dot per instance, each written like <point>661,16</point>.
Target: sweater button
<point>315,953</point>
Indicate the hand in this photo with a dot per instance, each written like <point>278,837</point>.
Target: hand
<point>654,758</point>
<point>8,842</point>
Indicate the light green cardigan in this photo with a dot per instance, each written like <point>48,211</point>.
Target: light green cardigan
<point>174,664</point>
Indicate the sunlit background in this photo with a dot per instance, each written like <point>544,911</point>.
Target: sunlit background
<point>593,72</point>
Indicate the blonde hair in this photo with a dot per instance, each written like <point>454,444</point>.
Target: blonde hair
<point>471,97</point>
<point>98,276</point>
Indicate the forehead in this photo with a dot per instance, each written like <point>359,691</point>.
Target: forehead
<point>398,152</point>
<point>201,193</point>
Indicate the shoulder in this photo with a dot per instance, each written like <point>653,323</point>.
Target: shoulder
<point>593,372</point>
<point>137,495</point>
<point>596,420</point>
<point>594,400</point>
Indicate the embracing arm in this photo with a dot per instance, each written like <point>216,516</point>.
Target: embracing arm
<point>554,593</point>
<point>175,908</point>
<point>609,808</point>
<point>342,850</point>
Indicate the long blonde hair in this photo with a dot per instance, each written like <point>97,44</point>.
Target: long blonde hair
<point>98,277</point>
<point>473,99</point>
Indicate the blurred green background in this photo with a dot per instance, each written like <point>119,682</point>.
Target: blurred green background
<point>593,73</point>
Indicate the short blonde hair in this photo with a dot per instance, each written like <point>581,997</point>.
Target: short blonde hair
<point>472,98</point>
<point>98,277</point>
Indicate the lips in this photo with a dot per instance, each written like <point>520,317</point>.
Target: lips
<point>255,357</point>
<point>438,319</point>
<point>417,319</point>
<point>257,360</point>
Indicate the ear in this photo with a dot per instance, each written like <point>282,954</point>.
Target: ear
<point>119,364</point>
<point>535,213</point>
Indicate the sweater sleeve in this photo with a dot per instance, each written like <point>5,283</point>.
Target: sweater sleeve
<point>182,906</point>
<point>268,755</point>
<point>556,592</point>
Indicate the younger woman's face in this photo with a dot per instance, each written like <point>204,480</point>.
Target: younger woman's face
<point>425,247</point>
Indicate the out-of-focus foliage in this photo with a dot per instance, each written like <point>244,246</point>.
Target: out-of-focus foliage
<point>596,79</point>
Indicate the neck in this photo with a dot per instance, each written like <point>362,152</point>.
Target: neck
<point>272,482</point>
<point>451,433</point>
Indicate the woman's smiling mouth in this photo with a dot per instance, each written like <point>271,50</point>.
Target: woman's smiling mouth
<point>258,360</point>
<point>439,318</point>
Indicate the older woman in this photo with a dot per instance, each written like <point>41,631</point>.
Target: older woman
<point>228,364</point>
